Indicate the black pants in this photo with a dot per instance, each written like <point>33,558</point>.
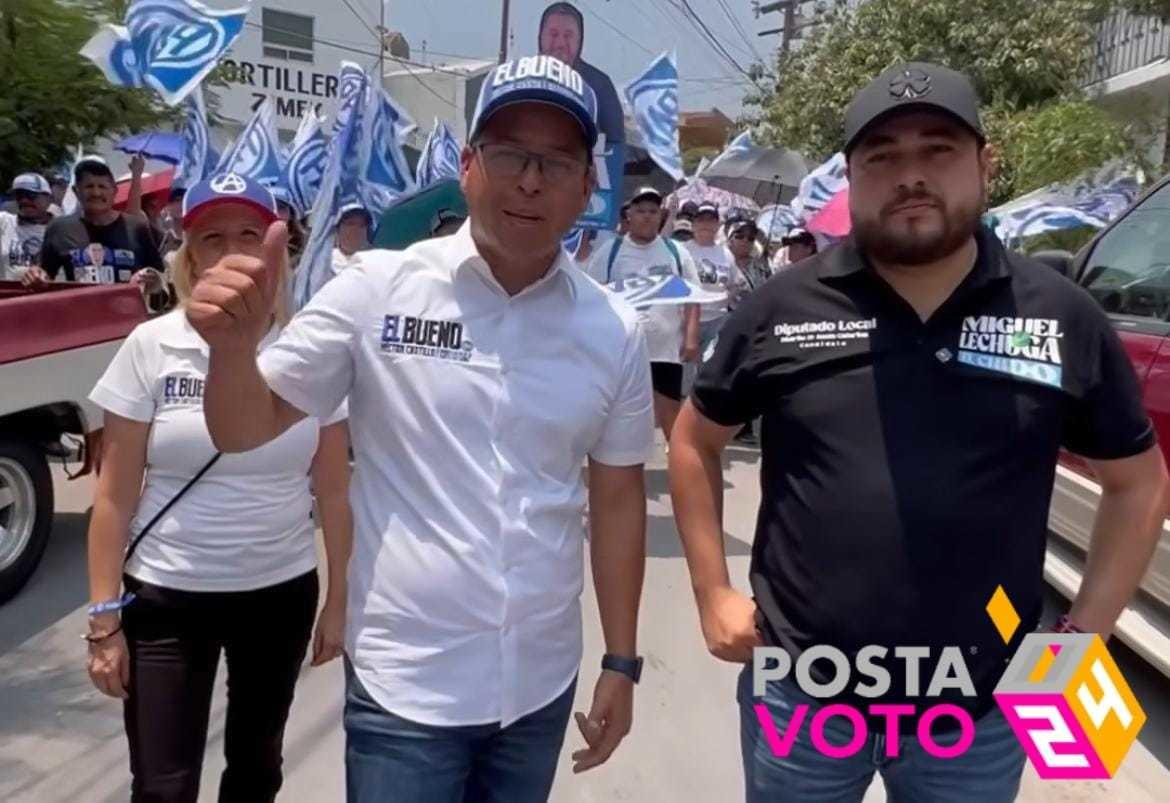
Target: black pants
<point>175,638</point>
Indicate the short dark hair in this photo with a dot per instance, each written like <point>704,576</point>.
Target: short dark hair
<point>93,169</point>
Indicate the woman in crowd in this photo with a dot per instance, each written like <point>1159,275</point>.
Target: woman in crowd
<point>221,550</point>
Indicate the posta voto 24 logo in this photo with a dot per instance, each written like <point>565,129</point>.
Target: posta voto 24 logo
<point>1062,694</point>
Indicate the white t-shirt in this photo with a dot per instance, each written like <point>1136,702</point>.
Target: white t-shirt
<point>20,246</point>
<point>471,411</point>
<point>341,261</point>
<point>663,324</point>
<point>245,524</point>
<point>717,272</point>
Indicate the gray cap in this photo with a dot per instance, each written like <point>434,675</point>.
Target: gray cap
<point>917,86</point>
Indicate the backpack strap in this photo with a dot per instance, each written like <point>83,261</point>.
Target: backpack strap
<point>613,252</point>
<point>672,247</point>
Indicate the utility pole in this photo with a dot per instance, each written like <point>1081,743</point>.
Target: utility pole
<point>795,22</point>
<point>503,33</point>
<point>382,43</point>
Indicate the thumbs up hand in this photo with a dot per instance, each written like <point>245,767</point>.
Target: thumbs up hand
<point>232,303</point>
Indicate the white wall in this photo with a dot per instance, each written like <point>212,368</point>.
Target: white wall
<point>294,86</point>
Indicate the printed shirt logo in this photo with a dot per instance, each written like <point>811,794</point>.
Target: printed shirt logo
<point>179,389</point>
<point>230,183</point>
<point>1026,348</point>
<point>824,334</point>
<point>425,337</point>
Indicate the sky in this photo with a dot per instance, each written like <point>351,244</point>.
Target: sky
<point>621,38</point>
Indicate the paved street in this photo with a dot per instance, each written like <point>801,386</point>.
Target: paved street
<point>61,742</point>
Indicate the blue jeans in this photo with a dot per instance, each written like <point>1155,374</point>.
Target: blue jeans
<point>988,772</point>
<point>389,759</point>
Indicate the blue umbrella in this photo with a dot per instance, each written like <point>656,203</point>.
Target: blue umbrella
<point>164,146</point>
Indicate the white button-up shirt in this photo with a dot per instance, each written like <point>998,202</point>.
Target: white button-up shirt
<point>471,413</point>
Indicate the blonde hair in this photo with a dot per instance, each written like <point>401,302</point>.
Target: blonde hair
<point>182,270</point>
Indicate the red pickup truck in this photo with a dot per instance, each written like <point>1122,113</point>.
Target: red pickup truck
<point>54,346</point>
<point>1126,268</point>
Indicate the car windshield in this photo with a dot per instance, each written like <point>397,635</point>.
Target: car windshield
<point>1128,271</point>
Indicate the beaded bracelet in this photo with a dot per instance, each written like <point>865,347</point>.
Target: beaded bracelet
<point>110,605</point>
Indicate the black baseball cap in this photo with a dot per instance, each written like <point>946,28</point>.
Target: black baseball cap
<point>916,86</point>
<point>688,210</point>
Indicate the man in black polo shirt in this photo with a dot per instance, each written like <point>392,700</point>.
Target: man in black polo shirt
<point>916,383</point>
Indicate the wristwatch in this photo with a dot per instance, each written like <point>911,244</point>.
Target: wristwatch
<point>630,667</point>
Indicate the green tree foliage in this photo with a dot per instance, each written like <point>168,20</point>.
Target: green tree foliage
<point>1025,59</point>
<point>52,98</point>
<point>1155,8</point>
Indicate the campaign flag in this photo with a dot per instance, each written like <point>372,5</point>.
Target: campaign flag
<point>440,156</point>
<point>306,164</point>
<point>339,187</point>
<point>737,147</point>
<point>256,153</point>
<point>650,291</point>
<point>609,164</point>
<point>385,174</point>
<point>819,187</point>
<point>775,221</point>
<point>571,242</point>
<point>1092,199</point>
<point>199,158</point>
<point>653,97</point>
<point>352,88</point>
<point>168,45</point>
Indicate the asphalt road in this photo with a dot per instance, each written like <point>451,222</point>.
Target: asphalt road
<point>61,742</point>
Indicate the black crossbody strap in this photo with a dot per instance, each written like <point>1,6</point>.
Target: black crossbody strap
<point>142,534</point>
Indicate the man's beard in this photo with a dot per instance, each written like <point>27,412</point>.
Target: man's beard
<point>879,243</point>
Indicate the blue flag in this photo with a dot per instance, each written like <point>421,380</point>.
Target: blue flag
<point>168,45</point>
<point>339,186</point>
<point>440,156</point>
<point>819,187</point>
<point>256,153</point>
<point>652,291</point>
<point>653,97</point>
<point>738,146</point>
<point>352,90</point>
<point>386,175</point>
<point>199,158</point>
<point>306,164</point>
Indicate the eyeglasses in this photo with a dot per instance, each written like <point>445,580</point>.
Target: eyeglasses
<point>506,161</point>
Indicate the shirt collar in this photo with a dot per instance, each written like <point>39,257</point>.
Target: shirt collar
<point>462,253</point>
<point>183,337</point>
<point>991,263</point>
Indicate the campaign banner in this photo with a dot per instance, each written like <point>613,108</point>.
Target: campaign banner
<point>609,161</point>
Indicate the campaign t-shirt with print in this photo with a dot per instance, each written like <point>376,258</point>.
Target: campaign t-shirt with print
<point>20,245</point>
<point>76,250</point>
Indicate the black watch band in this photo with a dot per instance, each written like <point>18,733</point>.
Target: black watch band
<point>630,667</point>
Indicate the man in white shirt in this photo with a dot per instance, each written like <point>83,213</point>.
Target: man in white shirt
<point>22,234</point>
<point>672,331</point>
<point>353,236</point>
<point>482,370</point>
<point>717,271</point>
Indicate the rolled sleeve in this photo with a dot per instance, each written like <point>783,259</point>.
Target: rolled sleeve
<point>311,364</point>
<point>1109,422</point>
<point>628,435</point>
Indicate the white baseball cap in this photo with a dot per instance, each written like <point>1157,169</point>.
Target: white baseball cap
<point>31,182</point>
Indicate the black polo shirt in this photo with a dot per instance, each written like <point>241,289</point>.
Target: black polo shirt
<point>907,467</point>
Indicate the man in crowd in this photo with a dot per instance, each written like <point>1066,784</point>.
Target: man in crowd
<point>22,233</point>
<point>752,270</point>
<point>353,236</point>
<point>907,464</point>
<point>717,271</point>
<point>482,370</point>
<point>59,184</point>
<point>562,34</point>
<point>800,244</point>
<point>99,245</point>
<point>683,231</point>
<point>672,332</point>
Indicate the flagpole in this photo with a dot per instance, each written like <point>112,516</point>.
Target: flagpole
<point>504,33</point>
<point>382,43</point>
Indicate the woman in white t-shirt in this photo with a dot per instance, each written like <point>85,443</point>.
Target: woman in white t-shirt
<point>231,565</point>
